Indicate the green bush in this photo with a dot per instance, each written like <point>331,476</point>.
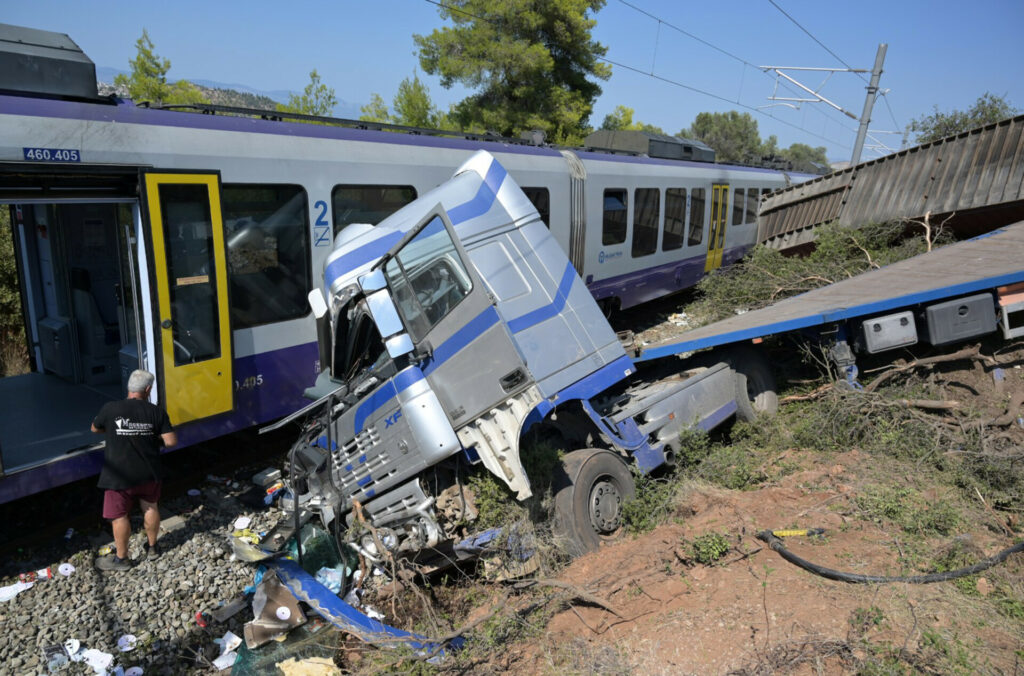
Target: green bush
<point>709,548</point>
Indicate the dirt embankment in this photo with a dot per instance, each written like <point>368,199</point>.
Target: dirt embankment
<point>751,612</point>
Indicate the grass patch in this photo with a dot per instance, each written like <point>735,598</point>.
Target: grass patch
<point>906,507</point>
<point>652,503</point>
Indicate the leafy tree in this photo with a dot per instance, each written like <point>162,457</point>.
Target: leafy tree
<point>316,99</point>
<point>148,78</point>
<point>801,155</point>
<point>987,109</point>
<point>531,64</point>
<point>13,358</point>
<point>376,110</point>
<point>621,119</point>
<point>413,106</point>
<point>733,135</point>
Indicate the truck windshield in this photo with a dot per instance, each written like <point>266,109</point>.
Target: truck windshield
<point>427,279</point>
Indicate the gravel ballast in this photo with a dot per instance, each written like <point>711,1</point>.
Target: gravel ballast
<point>156,601</point>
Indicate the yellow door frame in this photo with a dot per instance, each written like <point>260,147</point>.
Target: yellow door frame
<point>716,237</point>
<point>192,388</point>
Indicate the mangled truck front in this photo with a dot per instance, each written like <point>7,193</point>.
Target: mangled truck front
<point>449,329</point>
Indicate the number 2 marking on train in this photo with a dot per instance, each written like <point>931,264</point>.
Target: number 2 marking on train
<point>321,228</point>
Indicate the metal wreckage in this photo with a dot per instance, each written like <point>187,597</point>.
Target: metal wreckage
<point>446,332</point>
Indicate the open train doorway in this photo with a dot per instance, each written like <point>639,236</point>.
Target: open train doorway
<point>82,296</point>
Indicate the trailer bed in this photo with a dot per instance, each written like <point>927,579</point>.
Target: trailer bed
<point>979,264</point>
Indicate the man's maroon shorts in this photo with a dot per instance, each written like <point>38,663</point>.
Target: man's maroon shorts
<point>118,503</point>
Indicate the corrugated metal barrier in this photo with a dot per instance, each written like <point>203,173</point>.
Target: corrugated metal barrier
<point>977,177</point>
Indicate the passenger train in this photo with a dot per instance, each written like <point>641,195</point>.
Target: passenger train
<point>186,244</point>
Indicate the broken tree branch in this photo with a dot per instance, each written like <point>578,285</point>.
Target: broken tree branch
<point>972,352</point>
<point>579,593</point>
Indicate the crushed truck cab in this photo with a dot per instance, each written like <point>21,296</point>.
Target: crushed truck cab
<point>447,331</point>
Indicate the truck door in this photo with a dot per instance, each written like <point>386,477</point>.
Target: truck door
<point>716,240</point>
<point>448,311</point>
<point>194,365</point>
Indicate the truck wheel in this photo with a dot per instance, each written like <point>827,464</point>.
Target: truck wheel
<point>589,499</point>
<point>755,386</point>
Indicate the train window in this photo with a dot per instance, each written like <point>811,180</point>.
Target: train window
<point>541,200</point>
<point>427,279</point>
<point>752,205</point>
<point>614,228</point>
<point>766,191</point>
<point>696,217</point>
<point>188,235</point>
<point>647,202</point>
<point>738,212</point>
<point>368,203</point>
<point>267,233</point>
<point>675,219</point>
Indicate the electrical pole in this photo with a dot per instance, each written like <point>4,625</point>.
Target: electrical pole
<point>869,103</point>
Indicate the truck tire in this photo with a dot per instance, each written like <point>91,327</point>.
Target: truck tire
<point>755,385</point>
<point>589,498</point>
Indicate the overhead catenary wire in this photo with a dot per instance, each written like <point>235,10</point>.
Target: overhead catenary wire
<point>652,75</point>
<point>837,57</point>
<point>740,59</point>
<point>811,36</point>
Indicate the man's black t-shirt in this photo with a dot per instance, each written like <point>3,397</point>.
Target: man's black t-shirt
<point>133,428</point>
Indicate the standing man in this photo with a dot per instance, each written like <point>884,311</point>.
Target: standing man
<point>135,430</point>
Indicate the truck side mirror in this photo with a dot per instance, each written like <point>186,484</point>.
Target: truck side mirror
<point>323,327</point>
<point>385,316</point>
<point>373,281</point>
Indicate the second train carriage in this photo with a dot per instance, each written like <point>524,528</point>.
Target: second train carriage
<point>186,244</point>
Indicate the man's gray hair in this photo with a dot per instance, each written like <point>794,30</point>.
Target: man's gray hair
<point>140,381</point>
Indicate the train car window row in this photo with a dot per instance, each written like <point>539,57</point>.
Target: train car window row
<point>541,200</point>
<point>368,203</point>
<point>266,228</point>
<point>647,217</point>
<point>646,209</point>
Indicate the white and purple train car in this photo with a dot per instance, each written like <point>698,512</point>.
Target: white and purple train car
<point>186,244</point>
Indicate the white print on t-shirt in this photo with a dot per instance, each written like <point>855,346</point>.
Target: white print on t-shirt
<point>127,428</point>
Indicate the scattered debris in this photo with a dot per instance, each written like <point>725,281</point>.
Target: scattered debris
<point>127,643</point>
<point>65,569</point>
<point>36,575</point>
<point>311,666</point>
<point>10,591</point>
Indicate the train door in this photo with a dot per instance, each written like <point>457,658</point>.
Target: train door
<point>76,245</point>
<point>183,214</point>
<point>716,239</point>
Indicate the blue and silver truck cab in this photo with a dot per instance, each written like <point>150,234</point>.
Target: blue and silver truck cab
<point>446,332</point>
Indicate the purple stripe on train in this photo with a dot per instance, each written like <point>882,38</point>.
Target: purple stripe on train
<point>649,284</point>
<point>127,112</point>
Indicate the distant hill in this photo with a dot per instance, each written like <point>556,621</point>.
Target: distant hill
<point>226,94</point>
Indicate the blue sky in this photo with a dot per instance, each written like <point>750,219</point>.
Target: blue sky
<point>939,53</point>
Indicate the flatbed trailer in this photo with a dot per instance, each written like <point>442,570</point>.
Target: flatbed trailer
<point>989,264</point>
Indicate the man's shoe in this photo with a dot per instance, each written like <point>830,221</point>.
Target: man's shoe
<point>152,551</point>
<point>111,562</point>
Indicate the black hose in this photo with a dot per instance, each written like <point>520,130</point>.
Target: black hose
<point>775,543</point>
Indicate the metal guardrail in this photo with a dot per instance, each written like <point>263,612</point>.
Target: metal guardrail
<point>981,170</point>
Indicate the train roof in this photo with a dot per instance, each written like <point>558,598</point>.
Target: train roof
<point>256,121</point>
